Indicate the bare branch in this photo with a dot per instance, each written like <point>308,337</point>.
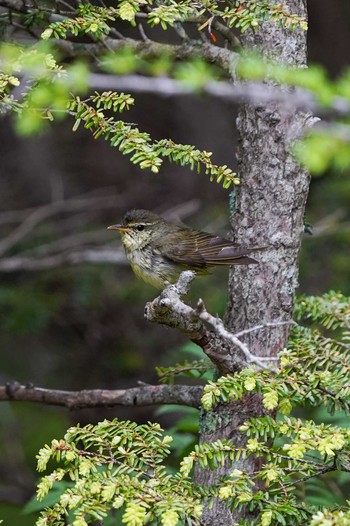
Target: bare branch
<point>223,348</point>
<point>44,212</point>
<point>331,224</point>
<point>96,256</point>
<point>226,33</point>
<point>224,58</point>
<point>64,243</point>
<point>168,309</point>
<point>253,93</point>
<point>180,30</point>
<point>20,6</point>
<point>219,329</point>
<point>71,249</point>
<point>135,396</point>
<point>89,200</point>
<point>142,32</point>
<point>264,326</point>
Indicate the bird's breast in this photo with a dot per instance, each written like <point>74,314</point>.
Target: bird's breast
<point>150,266</point>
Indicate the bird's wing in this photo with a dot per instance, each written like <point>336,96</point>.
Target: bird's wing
<point>201,249</point>
<point>185,251</point>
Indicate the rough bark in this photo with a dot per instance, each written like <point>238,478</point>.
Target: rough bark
<point>267,210</point>
<point>223,348</point>
<point>188,395</point>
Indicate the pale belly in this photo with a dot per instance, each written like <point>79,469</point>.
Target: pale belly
<point>152,268</point>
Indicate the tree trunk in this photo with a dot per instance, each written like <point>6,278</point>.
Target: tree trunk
<point>267,210</point>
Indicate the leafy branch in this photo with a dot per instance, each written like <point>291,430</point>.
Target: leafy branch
<point>253,13</point>
<point>193,369</point>
<point>116,465</point>
<point>119,465</point>
<point>97,20</point>
<point>131,141</point>
<point>314,367</point>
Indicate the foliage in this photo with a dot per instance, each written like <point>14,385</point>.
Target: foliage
<point>96,19</point>
<point>42,101</point>
<point>130,140</point>
<point>119,465</point>
<point>45,83</point>
<point>314,367</point>
<point>122,465</point>
<point>48,93</point>
<point>38,88</point>
<point>192,369</point>
<point>116,465</point>
<point>326,145</point>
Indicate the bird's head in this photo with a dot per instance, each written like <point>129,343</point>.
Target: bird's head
<point>137,228</point>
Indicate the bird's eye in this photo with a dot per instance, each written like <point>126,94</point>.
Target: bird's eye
<point>140,227</point>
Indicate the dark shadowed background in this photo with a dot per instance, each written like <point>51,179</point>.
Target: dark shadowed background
<point>75,327</point>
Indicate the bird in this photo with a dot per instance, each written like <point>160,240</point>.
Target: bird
<point>158,250</point>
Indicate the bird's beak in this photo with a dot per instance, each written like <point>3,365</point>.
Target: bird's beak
<point>121,228</point>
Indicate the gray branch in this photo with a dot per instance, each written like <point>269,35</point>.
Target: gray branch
<point>224,58</point>
<point>136,396</point>
<point>256,93</point>
<point>33,217</point>
<point>33,263</point>
<point>73,249</point>
<point>253,93</point>
<point>223,348</point>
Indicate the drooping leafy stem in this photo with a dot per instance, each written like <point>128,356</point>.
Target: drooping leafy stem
<point>50,88</point>
<point>131,141</point>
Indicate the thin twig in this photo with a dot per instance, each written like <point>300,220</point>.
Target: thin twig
<point>142,33</point>
<point>77,257</point>
<point>326,469</point>
<point>264,326</point>
<point>71,249</point>
<point>218,326</point>
<point>180,30</point>
<point>219,344</point>
<point>117,33</point>
<point>64,243</point>
<point>42,213</point>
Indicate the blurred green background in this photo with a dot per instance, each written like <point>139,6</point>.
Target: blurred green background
<point>82,326</point>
